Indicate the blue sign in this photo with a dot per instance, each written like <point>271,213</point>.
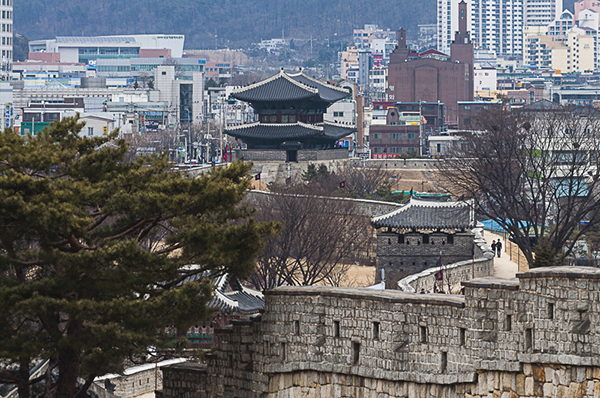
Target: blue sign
<point>7,115</point>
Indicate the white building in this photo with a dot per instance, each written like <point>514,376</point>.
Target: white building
<point>447,23</point>
<point>343,112</point>
<point>497,26</point>
<point>589,20</point>
<point>541,12</point>
<point>183,97</point>
<point>84,49</point>
<point>494,25</point>
<point>562,24</point>
<point>6,42</point>
<point>485,78</point>
<point>272,45</point>
<point>97,124</point>
<point>581,49</point>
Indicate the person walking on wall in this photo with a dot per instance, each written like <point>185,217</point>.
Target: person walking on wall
<point>499,247</point>
<point>494,246</point>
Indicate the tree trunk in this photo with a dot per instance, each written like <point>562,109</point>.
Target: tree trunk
<point>68,371</point>
<point>23,385</point>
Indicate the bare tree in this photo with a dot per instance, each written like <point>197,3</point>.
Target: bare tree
<point>534,172</point>
<point>179,71</point>
<point>364,181</point>
<point>320,237</point>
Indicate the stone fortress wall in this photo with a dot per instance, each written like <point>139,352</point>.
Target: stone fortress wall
<point>413,256</point>
<point>535,336</point>
<point>455,273</point>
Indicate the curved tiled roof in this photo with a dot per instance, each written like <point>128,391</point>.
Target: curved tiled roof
<point>284,87</point>
<point>232,296</point>
<point>424,214</point>
<point>289,131</point>
<point>326,91</point>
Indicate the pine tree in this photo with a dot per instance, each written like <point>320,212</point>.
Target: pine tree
<point>545,256</point>
<point>95,252</point>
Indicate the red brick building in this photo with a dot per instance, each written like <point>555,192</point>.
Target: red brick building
<point>433,76</point>
<point>401,135</point>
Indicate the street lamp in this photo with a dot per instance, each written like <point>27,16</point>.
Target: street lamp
<point>189,148</point>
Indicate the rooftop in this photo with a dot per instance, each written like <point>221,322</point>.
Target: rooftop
<point>290,131</point>
<point>289,87</point>
<point>426,214</point>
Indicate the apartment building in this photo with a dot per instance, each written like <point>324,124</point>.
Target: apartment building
<point>6,41</point>
<point>495,25</point>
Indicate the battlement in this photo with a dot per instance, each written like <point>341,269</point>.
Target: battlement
<point>544,318</point>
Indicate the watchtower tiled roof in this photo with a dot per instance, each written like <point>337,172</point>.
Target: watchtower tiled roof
<point>290,131</point>
<point>284,87</point>
<point>424,214</point>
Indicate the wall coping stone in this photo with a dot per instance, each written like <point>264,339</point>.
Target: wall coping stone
<point>561,272</point>
<point>492,282</point>
<point>389,296</point>
<point>187,367</point>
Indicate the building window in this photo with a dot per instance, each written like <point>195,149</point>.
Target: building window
<point>356,352</point>
<point>376,136</point>
<point>90,131</point>
<point>423,334</point>
<point>411,136</point>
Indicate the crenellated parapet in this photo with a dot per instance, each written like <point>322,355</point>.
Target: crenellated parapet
<point>534,336</point>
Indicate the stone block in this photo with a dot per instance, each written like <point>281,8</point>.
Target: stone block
<point>564,376</point>
<point>507,381</point>
<point>549,371</point>
<point>520,384</point>
<point>490,376</point>
<point>576,390</point>
<point>529,386</point>
<point>505,394</point>
<point>538,373</point>
<point>547,389</point>
<point>527,369</point>
<point>482,388</point>
<point>590,388</point>
<point>581,375</point>
<point>562,392</point>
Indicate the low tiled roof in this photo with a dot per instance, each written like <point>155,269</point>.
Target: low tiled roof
<point>290,131</point>
<point>231,296</point>
<point>425,214</point>
<point>284,87</point>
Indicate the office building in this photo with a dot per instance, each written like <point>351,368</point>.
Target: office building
<point>84,49</point>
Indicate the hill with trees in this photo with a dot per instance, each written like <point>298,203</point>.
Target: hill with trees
<point>223,23</point>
